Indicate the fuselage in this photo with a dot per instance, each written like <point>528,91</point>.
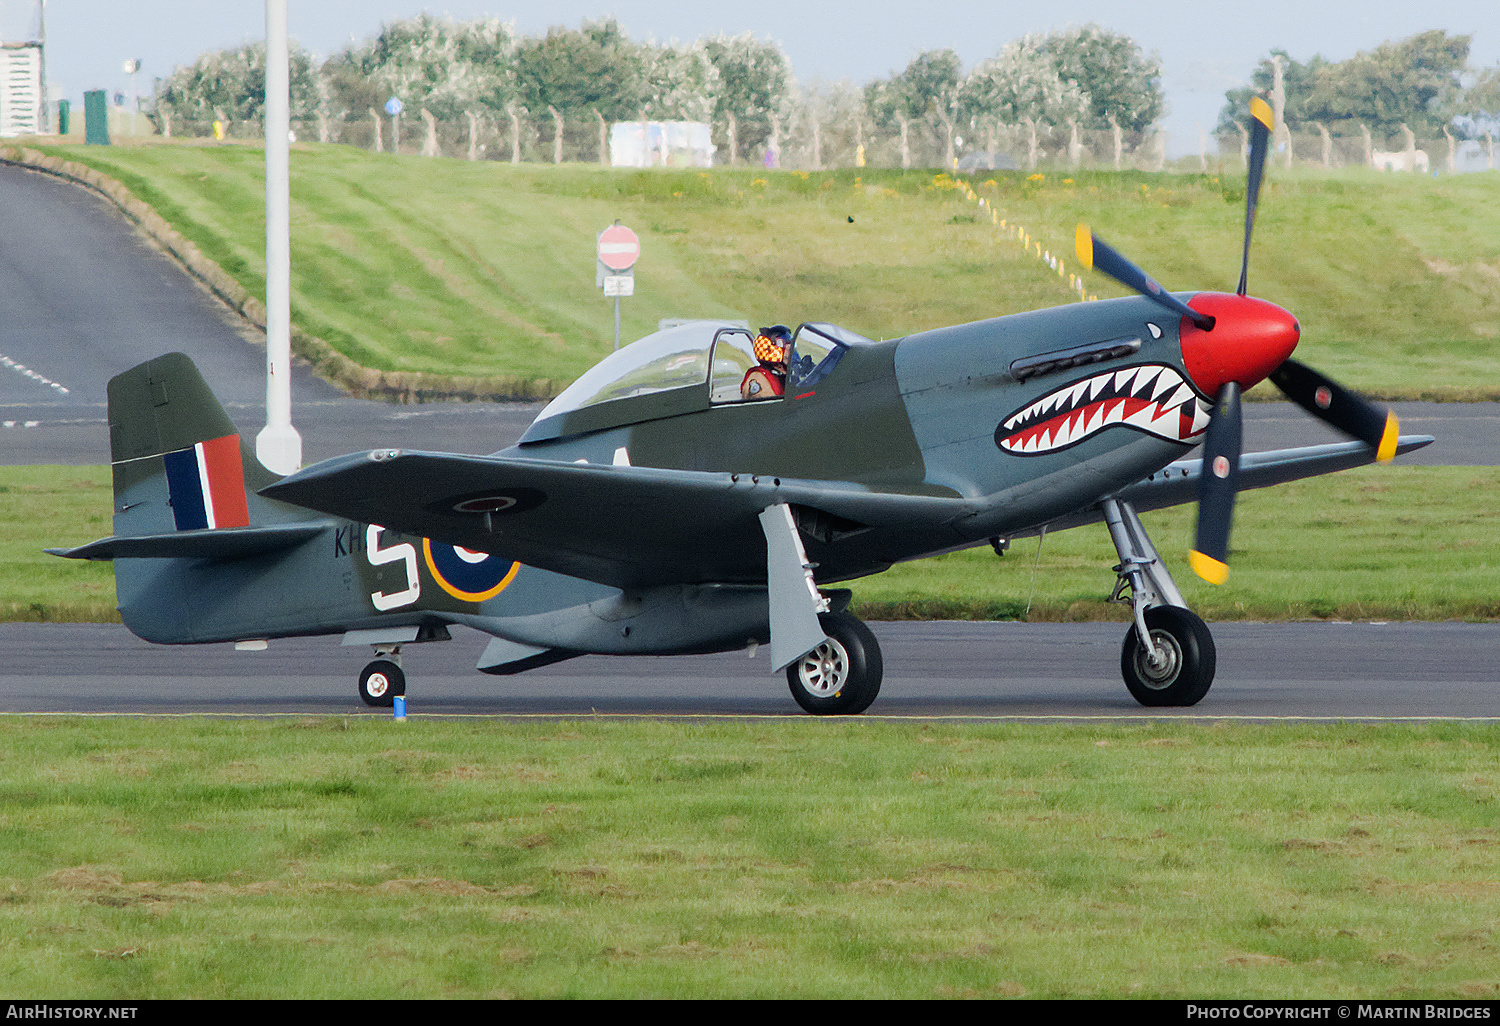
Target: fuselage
<point>884,451</point>
<point>926,414</point>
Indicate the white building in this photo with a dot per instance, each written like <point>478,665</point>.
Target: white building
<point>20,89</point>
<point>661,144</point>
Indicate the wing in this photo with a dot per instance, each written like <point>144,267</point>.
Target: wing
<point>622,526</point>
<point>1178,482</point>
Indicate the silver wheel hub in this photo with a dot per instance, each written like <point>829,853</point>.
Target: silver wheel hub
<point>377,685</point>
<point>1161,671</point>
<point>824,671</point>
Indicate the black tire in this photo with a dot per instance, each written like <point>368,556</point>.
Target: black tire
<point>1188,667</point>
<point>380,683</point>
<point>840,677</point>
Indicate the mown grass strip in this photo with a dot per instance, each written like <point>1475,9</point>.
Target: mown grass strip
<point>443,267</point>
<point>335,858</point>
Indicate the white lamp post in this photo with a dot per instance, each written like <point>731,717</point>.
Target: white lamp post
<point>278,446</point>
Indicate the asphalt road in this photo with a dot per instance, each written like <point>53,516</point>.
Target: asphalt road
<point>969,670</point>
<point>82,298</point>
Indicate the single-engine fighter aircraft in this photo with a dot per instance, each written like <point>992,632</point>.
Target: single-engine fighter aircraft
<point>702,489</point>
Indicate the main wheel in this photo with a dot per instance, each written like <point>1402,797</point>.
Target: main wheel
<point>1184,668</point>
<point>842,675</point>
<point>380,683</point>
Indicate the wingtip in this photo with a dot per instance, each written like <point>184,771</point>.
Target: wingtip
<point>1210,569</point>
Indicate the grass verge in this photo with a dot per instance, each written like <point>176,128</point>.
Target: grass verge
<point>485,270</point>
<point>339,858</point>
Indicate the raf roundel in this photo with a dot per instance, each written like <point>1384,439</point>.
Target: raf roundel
<point>467,575</point>
<point>485,504</point>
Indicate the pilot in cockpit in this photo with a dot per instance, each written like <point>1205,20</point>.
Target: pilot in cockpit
<point>767,380</point>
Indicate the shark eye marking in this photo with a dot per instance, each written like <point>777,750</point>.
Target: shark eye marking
<point>1153,398</point>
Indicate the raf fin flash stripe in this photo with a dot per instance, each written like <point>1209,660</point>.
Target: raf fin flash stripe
<point>207,485</point>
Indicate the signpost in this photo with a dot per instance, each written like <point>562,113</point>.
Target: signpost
<point>619,249</point>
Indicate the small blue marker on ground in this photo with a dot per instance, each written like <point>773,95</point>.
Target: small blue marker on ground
<point>399,707</point>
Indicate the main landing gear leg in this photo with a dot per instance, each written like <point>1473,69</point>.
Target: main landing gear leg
<point>1168,657</point>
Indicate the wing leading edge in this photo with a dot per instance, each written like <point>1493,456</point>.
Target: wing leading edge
<point>632,527</point>
<point>1178,482</point>
<point>618,525</point>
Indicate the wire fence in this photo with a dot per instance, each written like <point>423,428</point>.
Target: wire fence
<point>806,144</point>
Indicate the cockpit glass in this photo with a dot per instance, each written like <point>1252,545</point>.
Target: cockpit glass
<point>704,354</point>
<point>664,360</point>
<point>816,351</point>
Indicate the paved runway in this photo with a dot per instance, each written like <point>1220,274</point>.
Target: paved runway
<point>969,670</point>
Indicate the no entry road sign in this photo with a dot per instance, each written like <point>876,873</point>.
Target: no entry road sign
<point>619,248</point>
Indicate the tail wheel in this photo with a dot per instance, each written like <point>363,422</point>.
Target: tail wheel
<point>1183,668</point>
<point>842,675</point>
<point>380,683</point>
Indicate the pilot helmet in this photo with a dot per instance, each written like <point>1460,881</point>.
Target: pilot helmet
<point>773,344</point>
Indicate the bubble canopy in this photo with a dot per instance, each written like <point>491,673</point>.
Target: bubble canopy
<point>668,373</point>
<point>670,359</point>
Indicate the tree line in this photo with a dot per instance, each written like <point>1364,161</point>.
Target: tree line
<point>564,82</point>
<point>1038,96</point>
<point>1423,82</point>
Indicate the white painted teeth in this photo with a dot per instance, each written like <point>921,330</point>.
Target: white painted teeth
<point>1071,414</point>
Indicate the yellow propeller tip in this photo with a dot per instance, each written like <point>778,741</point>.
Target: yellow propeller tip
<point>1208,568</point>
<point>1083,242</point>
<point>1387,450</point>
<point>1261,111</point>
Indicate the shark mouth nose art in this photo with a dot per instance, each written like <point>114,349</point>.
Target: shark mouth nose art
<point>1153,398</point>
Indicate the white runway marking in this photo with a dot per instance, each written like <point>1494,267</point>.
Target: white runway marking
<point>27,372</point>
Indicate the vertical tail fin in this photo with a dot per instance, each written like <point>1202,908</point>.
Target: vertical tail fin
<point>179,463</point>
<point>199,556</point>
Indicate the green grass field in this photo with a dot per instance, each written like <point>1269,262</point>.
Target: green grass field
<point>363,858</point>
<point>411,264</point>
<point>1414,543</point>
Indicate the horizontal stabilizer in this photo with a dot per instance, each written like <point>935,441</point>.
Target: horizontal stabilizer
<point>229,543</point>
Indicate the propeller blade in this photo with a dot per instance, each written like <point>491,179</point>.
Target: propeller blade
<point>1262,121</point>
<point>1095,253</point>
<point>1217,485</point>
<point>1335,405</point>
